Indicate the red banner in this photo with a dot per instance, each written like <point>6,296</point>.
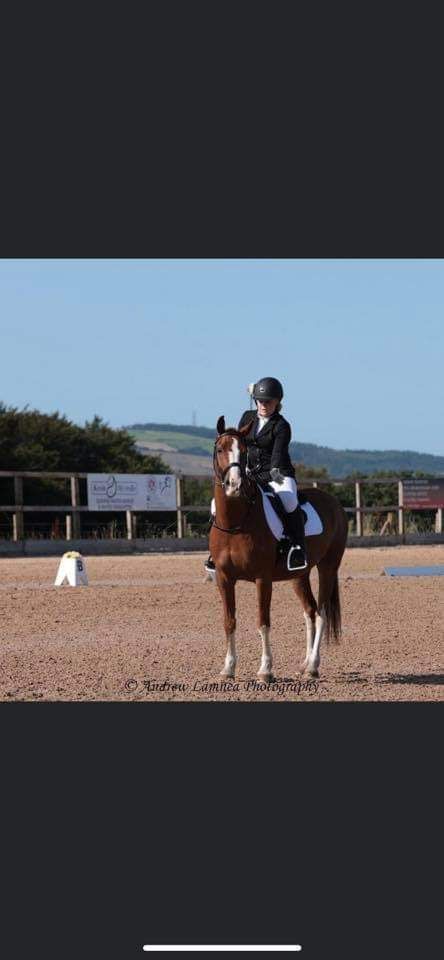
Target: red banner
<point>423,493</point>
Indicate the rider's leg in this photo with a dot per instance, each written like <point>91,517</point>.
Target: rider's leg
<point>287,491</point>
<point>294,520</point>
<point>209,564</point>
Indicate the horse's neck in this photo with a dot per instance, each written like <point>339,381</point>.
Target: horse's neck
<point>230,511</point>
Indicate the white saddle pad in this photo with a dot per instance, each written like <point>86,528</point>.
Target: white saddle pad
<point>313,525</point>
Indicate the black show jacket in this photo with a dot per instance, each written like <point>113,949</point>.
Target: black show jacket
<point>269,447</point>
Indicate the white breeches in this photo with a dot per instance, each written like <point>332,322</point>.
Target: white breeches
<point>287,491</point>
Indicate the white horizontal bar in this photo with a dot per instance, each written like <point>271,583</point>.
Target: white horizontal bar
<point>222,948</point>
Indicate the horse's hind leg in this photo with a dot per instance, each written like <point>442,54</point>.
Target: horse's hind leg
<point>264,589</point>
<point>304,593</point>
<point>314,660</point>
<point>328,617</point>
<point>227,592</point>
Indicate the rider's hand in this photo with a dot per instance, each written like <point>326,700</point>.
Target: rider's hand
<point>276,475</point>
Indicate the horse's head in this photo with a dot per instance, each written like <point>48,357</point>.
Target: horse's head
<point>230,457</point>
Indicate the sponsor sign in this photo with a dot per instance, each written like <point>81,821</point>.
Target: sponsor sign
<point>423,493</point>
<point>131,491</point>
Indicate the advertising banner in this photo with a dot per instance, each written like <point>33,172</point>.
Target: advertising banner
<point>423,493</point>
<point>131,491</point>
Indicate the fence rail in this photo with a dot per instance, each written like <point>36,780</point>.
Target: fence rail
<point>74,510</point>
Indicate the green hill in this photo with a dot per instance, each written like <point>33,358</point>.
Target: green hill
<point>178,437</point>
<point>341,463</point>
<point>198,441</point>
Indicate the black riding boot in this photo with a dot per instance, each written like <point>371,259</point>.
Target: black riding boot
<point>209,564</point>
<point>295,530</point>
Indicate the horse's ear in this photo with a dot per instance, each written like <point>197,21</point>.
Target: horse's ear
<point>246,429</point>
<point>220,426</point>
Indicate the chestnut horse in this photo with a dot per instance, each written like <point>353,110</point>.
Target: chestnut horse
<point>244,548</point>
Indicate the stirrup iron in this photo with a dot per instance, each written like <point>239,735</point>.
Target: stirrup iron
<point>294,556</point>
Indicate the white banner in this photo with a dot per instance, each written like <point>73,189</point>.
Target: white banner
<point>131,491</point>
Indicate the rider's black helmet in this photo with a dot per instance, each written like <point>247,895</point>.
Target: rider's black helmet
<point>268,389</point>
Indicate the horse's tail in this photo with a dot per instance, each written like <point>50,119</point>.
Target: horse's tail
<point>333,629</point>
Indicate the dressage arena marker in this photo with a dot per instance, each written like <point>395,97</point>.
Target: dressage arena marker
<point>72,568</point>
<point>437,571</point>
<point>223,948</point>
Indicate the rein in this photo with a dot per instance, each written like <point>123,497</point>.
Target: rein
<point>220,479</point>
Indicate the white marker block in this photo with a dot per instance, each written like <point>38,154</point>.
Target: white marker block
<point>72,568</point>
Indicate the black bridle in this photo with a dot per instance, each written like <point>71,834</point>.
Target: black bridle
<point>247,486</point>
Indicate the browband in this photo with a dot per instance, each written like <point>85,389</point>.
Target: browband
<point>230,433</point>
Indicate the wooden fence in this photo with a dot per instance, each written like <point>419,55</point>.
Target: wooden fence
<point>73,511</point>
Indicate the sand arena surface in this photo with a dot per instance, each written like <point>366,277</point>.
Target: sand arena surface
<point>149,619</point>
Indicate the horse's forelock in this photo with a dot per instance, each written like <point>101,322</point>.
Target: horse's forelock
<point>231,432</point>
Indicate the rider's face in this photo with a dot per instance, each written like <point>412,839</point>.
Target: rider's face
<point>266,408</point>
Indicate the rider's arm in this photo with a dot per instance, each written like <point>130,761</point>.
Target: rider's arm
<point>282,437</point>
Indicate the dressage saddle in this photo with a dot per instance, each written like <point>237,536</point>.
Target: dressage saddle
<point>292,547</point>
<point>276,501</point>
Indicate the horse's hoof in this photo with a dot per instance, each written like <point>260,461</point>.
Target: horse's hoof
<point>227,675</point>
<point>314,672</point>
<point>265,677</point>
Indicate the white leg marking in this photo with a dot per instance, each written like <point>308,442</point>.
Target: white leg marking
<point>231,658</point>
<point>310,629</point>
<point>315,657</point>
<point>267,659</point>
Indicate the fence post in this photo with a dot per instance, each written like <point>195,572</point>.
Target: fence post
<point>68,526</point>
<point>129,525</point>
<point>179,496</point>
<point>438,520</point>
<point>75,503</point>
<point>17,519</point>
<point>358,508</point>
<point>400,508</point>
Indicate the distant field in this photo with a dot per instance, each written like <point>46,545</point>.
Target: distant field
<point>339,463</point>
<point>182,442</point>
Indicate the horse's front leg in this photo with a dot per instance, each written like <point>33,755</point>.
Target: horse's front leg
<point>227,592</point>
<point>264,589</point>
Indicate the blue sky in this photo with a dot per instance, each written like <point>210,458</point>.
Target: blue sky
<point>358,344</point>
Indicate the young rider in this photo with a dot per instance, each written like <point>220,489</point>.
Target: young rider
<point>269,460</point>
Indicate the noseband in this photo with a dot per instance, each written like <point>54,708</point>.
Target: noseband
<point>221,474</point>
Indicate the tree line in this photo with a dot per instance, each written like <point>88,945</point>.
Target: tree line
<point>30,440</point>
